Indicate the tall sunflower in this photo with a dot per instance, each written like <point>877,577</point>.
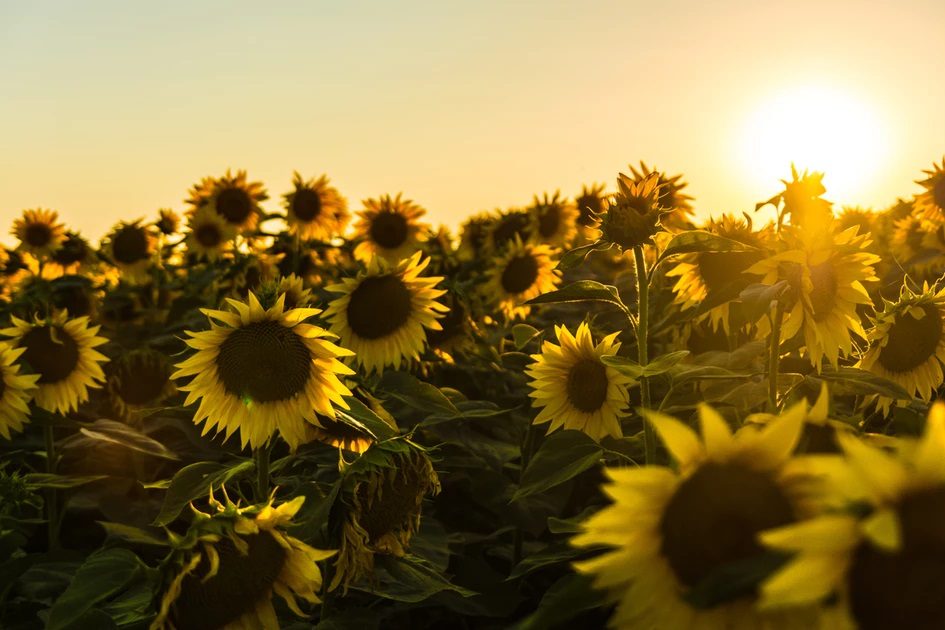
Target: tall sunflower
<point>225,571</point>
<point>881,562</point>
<point>671,197</point>
<point>62,351</point>
<point>233,197</point>
<point>931,203</point>
<point>138,380</point>
<point>16,391</point>
<point>39,231</point>
<point>383,313</point>
<point>389,227</point>
<point>574,389</point>
<point>131,247</point>
<point>520,273</point>
<point>263,371</point>
<point>672,530</point>
<point>315,210</point>
<point>555,219</point>
<point>209,235</point>
<point>635,213</point>
<point>803,201</point>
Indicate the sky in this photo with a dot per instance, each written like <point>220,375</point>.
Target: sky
<point>111,109</point>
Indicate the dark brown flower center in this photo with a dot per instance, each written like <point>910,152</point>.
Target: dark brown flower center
<point>130,244</point>
<point>549,219</point>
<point>720,269</point>
<point>14,263</point>
<point>208,235</point>
<point>73,294</point>
<point>938,192</point>
<point>589,206</point>
<point>912,341</point>
<point>587,385</point>
<point>389,229</point>
<point>52,358</point>
<point>904,589</point>
<point>520,274</point>
<point>516,223</point>
<point>264,362</point>
<point>72,250</point>
<point>379,306</point>
<point>714,518</point>
<point>306,204</point>
<point>141,379</point>
<point>234,205</point>
<point>38,234</point>
<point>241,582</point>
<point>823,295</point>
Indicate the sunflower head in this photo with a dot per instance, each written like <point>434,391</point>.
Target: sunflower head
<point>233,197</point>
<point>633,217</point>
<point>554,219</point>
<point>508,227</point>
<point>591,204</point>
<point>16,391</point>
<point>168,222</point>
<point>389,227</point>
<point>473,236</point>
<point>74,255</point>
<point>138,380</point>
<point>671,198</point>
<point>803,201</point>
<point>315,210</point>
<point>522,272</point>
<point>931,203</point>
<point>131,248</point>
<point>39,231</point>
<point>457,329</point>
<point>209,236</point>
<point>862,218</point>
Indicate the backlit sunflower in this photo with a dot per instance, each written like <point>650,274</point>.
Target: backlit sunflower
<point>508,227</point>
<point>62,351</point>
<point>880,564</point>
<point>232,197</point>
<point>520,273</point>
<point>591,203</point>
<point>74,257</point>
<point>825,274</point>
<point>863,218</point>
<point>803,202</point>
<point>473,234</point>
<point>931,203</point>
<point>16,390</point>
<point>574,389</point>
<point>296,294</point>
<point>263,371</point>
<point>555,219</point>
<point>671,197</point>
<point>131,247</point>
<point>209,236</point>
<point>39,231</point>
<point>315,210</point>
<point>908,241</point>
<point>15,266</point>
<point>168,222</point>
<point>907,342</point>
<point>226,570</point>
<point>635,213</point>
<point>137,380</point>
<point>673,531</point>
<point>457,329</point>
<point>383,313</point>
<point>389,227</point>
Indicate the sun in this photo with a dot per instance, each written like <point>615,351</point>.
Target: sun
<point>818,128</point>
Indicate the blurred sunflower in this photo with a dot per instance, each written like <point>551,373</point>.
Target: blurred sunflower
<point>673,530</point>
<point>209,236</point>
<point>389,227</point>
<point>74,294</point>
<point>39,231</point>
<point>554,219</point>
<point>232,197</point>
<point>62,351</point>
<point>881,565</point>
<point>635,212</point>
<point>73,257</point>
<point>671,198</point>
<point>315,210</point>
<point>803,202</point>
<point>574,388</point>
<point>860,217</point>
<point>383,313</point>
<point>931,203</point>
<point>473,234</point>
<point>908,240</point>
<point>14,268</point>
<point>16,391</point>
<point>168,222</point>
<point>263,371</point>
<point>137,380</point>
<point>455,335</point>
<point>296,294</point>
<point>591,203</point>
<point>131,247</point>
<point>383,493</point>
<point>520,273</point>
<point>225,571</point>
<point>509,226</point>
<point>907,342</point>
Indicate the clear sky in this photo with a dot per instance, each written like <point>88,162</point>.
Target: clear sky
<point>110,109</point>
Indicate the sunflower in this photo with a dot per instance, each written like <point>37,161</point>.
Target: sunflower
<point>296,294</point>
<point>907,342</point>
<point>473,234</point>
<point>705,274</point>
<point>74,294</point>
<point>825,274</point>
<point>315,210</point>
<point>555,219</point>
<point>138,380</point>
<point>672,532</point>
<point>457,329</point>
<point>931,203</point>
<point>73,257</point>
<point>39,231</point>
<point>671,197</point>
<point>908,240</point>
<point>131,247</point>
<point>520,273</point>
<point>591,203</point>
<point>14,267</point>
<point>232,197</point>
<point>383,314</point>
<point>389,227</point>
<point>225,571</point>
<point>635,212</point>
<point>209,236</point>
<point>382,500</point>
<point>16,391</point>
<point>863,218</point>
<point>574,388</point>
<point>508,227</point>
<point>62,351</point>
<point>168,222</point>
<point>881,562</point>
<point>262,371</point>
<point>803,202</point>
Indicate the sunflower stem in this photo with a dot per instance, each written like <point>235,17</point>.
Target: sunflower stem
<point>774,357</point>
<point>643,310</point>
<point>261,456</point>
<point>52,499</point>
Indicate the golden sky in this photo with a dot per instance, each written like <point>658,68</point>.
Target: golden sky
<point>110,110</point>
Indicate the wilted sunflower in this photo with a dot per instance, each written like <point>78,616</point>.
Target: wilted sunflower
<point>508,227</point>
<point>882,566</point>
<point>907,342</point>
<point>382,497</point>
<point>16,390</point>
<point>131,247</point>
<point>140,379</point>
<point>555,219</point>
<point>574,388</point>
<point>671,197</point>
<point>389,227</point>
<point>225,571</point>
<point>635,212</point>
<point>62,351</point>
<point>263,371</point>
<point>931,203</point>
<point>39,231</point>
<point>520,273</point>
<point>232,197</point>
<point>168,222</point>
<point>209,235</point>
<point>383,314</point>
<point>673,530</point>
<point>315,210</point>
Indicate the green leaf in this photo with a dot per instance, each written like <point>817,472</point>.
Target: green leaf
<point>856,382</point>
<point>559,553</point>
<point>132,534</point>
<point>701,241</point>
<point>755,299</point>
<point>118,433</point>
<point>416,393</point>
<point>59,482</point>
<point>410,579</point>
<point>563,601</point>
<point>629,367</point>
<point>522,334</point>
<point>575,257</point>
<point>103,574</point>
<point>362,417</point>
<point>195,481</point>
<point>626,366</point>
<point>735,579</point>
<point>582,291</point>
<point>563,455</point>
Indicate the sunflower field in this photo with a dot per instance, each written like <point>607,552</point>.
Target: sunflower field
<point>587,412</point>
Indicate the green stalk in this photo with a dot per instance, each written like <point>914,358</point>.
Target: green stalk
<point>643,318</point>
<point>774,357</point>
<point>261,456</point>
<point>52,499</point>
